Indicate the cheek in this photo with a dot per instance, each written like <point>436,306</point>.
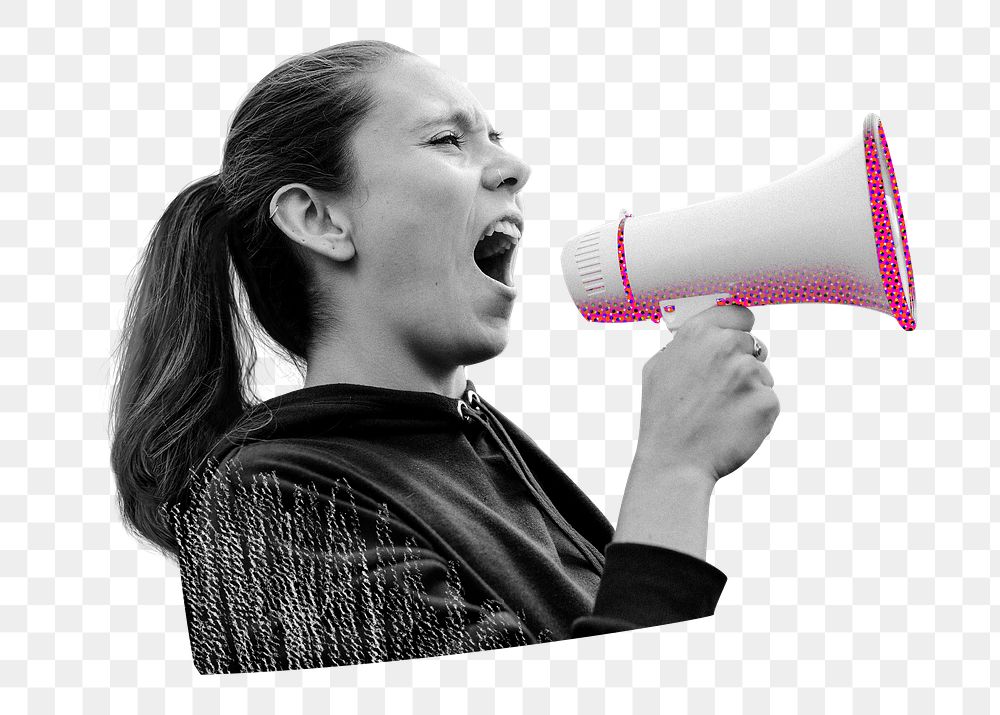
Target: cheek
<point>429,269</point>
<point>426,232</point>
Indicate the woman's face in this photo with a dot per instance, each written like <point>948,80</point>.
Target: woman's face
<point>429,187</point>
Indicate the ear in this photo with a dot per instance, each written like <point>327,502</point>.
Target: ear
<point>313,220</point>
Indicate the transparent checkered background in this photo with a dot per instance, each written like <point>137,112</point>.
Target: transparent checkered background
<point>858,540</point>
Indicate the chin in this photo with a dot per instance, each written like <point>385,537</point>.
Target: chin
<point>486,350</point>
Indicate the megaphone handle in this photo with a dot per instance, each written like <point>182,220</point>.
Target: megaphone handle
<point>675,311</point>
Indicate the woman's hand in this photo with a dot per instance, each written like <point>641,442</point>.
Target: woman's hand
<point>707,402</point>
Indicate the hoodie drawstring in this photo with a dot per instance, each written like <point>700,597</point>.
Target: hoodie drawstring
<point>470,408</point>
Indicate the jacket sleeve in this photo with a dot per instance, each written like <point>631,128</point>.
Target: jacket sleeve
<point>277,575</point>
<point>645,585</point>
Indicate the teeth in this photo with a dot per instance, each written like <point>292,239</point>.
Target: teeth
<point>505,227</point>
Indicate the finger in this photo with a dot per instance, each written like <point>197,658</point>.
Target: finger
<point>734,317</point>
<point>740,341</point>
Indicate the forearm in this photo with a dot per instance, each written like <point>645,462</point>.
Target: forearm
<point>666,506</point>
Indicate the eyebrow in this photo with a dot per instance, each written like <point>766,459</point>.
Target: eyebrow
<point>461,117</point>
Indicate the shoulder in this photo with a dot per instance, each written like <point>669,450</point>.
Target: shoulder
<point>331,470</point>
<point>299,461</point>
<point>278,469</point>
<point>257,488</point>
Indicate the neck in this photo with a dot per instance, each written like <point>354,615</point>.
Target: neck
<point>357,363</point>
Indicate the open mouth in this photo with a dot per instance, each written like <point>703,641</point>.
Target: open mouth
<point>494,256</point>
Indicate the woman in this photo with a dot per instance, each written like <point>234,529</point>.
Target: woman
<point>385,510</point>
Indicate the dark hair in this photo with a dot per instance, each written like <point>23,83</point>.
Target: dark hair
<point>187,371</point>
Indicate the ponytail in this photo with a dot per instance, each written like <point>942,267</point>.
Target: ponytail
<point>180,380</point>
<point>182,385</point>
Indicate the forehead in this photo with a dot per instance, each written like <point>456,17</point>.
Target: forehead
<point>416,95</point>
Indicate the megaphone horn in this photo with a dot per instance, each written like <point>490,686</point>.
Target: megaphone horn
<point>828,233</point>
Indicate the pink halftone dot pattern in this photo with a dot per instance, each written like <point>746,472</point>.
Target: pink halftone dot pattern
<point>887,259</point>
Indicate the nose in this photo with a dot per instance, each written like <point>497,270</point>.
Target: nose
<point>510,171</point>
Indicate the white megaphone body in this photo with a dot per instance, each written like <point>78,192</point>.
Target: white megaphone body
<point>831,232</point>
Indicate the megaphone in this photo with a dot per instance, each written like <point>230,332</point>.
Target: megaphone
<point>831,232</point>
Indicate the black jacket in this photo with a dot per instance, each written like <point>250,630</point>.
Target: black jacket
<point>343,524</point>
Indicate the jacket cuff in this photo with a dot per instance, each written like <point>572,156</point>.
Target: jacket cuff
<point>652,585</point>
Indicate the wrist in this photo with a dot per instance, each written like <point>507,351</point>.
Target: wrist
<point>666,505</point>
<point>675,483</point>
<point>684,475</point>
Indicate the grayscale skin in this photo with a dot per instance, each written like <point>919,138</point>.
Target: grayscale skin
<point>396,260</point>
